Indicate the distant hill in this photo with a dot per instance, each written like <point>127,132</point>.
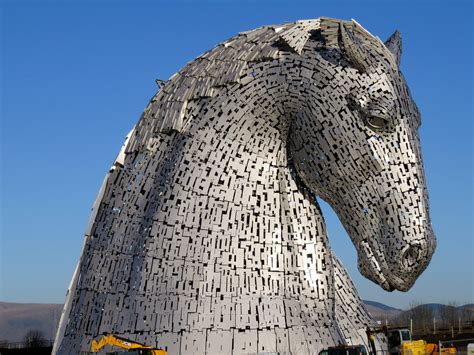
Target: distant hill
<point>16,319</point>
<point>381,311</point>
<point>439,309</point>
<point>468,307</point>
<point>379,305</point>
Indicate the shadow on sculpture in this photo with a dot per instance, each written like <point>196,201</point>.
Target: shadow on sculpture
<point>206,236</point>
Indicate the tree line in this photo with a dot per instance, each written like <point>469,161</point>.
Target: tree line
<point>426,318</point>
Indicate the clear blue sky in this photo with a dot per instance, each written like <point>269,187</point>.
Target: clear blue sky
<point>76,77</point>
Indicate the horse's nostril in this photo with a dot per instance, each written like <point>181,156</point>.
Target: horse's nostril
<point>411,256</point>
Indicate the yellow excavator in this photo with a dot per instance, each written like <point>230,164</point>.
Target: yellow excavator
<point>114,340</point>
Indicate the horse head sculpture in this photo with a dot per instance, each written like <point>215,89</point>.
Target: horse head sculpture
<point>207,237</point>
<point>363,157</point>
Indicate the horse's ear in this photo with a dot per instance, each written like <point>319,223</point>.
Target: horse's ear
<point>353,48</point>
<point>293,37</point>
<point>394,45</point>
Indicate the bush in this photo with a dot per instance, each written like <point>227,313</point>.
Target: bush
<point>34,339</point>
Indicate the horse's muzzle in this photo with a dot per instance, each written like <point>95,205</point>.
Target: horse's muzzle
<point>398,272</point>
<point>413,260</point>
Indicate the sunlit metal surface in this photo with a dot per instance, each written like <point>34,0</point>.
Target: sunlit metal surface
<point>207,237</point>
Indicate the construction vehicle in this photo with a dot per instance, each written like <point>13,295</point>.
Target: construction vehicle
<point>345,350</point>
<point>122,343</point>
<point>396,337</point>
<point>400,342</point>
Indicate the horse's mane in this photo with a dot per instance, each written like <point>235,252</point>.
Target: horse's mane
<point>224,65</point>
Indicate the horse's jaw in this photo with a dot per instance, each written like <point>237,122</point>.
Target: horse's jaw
<point>375,270</point>
<point>373,265</point>
<point>388,283</point>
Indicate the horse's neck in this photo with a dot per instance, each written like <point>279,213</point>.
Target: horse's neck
<point>230,179</point>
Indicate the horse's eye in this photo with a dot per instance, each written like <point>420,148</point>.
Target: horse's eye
<point>376,122</point>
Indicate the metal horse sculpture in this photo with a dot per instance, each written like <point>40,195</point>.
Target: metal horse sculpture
<point>206,236</point>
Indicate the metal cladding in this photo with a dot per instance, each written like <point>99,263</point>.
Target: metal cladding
<point>206,236</point>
